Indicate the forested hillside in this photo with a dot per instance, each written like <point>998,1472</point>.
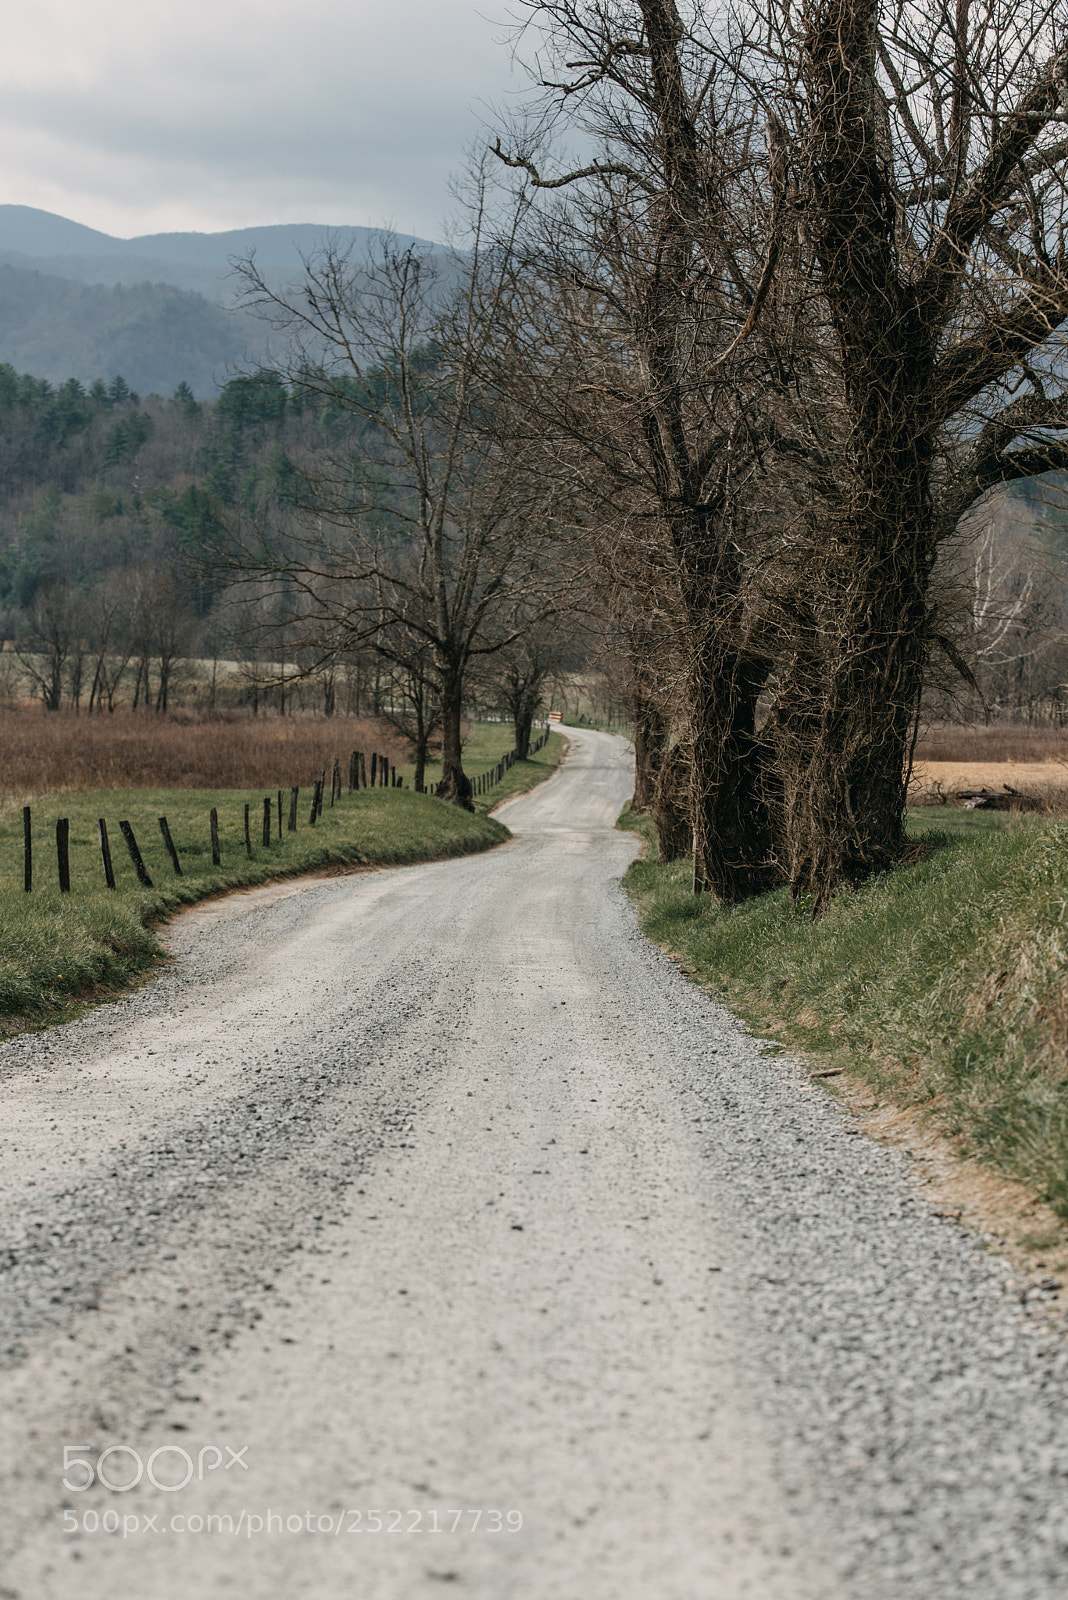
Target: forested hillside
<point>107,503</point>
<point>156,335</point>
<point>159,308</point>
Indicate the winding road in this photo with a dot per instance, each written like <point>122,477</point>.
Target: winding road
<point>424,1231</point>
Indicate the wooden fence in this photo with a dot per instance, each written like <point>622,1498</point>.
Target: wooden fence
<point>383,775</point>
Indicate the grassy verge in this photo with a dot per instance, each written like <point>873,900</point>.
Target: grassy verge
<point>56,949</point>
<point>488,742</point>
<point>942,985</point>
<point>59,950</point>
<point>523,776</point>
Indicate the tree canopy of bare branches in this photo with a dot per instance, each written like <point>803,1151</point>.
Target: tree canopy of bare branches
<point>425,529</point>
<point>805,304</point>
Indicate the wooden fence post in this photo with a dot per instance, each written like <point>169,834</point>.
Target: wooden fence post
<point>171,851</point>
<point>63,853</point>
<point>335,780</point>
<point>135,855</point>
<point>363,771</point>
<point>27,851</point>
<point>374,769</point>
<point>266,821</point>
<point>279,816</point>
<point>216,854</point>
<point>314,812</point>
<point>248,835</point>
<point>294,796</point>
<point>105,852</point>
<point>354,771</point>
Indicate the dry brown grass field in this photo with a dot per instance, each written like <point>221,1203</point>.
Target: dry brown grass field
<point>940,782</point>
<point>950,758</point>
<point>44,752</point>
<point>996,742</point>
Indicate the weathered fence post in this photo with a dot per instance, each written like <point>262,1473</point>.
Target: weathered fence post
<point>363,771</point>
<point>322,791</point>
<point>27,851</point>
<point>171,851</point>
<point>63,853</point>
<point>105,852</point>
<point>294,796</point>
<point>266,821</point>
<point>374,769</point>
<point>248,834</point>
<point>314,812</point>
<point>216,854</point>
<point>335,780</point>
<point>354,771</point>
<point>135,855</point>
<point>279,816</point>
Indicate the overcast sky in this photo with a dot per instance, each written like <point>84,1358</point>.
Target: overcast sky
<point>140,116</point>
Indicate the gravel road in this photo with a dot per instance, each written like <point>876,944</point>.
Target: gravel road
<point>408,1207</point>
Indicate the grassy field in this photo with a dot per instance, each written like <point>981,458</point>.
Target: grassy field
<point>49,753</point>
<point>486,744</point>
<point>59,950</point>
<point>45,752</point>
<point>518,779</point>
<point>942,985</point>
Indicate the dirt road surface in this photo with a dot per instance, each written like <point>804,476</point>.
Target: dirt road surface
<point>445,1240</point>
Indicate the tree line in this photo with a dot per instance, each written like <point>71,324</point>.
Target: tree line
<point>114,516</point>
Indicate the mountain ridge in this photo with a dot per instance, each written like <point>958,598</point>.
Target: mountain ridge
<point>174,321</point>
<point>44,235</point>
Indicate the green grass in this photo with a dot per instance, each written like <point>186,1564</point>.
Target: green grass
<point>59,950</point>
<point>523,775</point>
<point>488,742</point>
<point>944,984</point>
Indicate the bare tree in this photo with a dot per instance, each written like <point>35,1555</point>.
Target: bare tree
<point>806,364</point>
<point>658,263</point>
<point>927,153</point>
<point>413,682</point>
<point>523,673</point>
<point>427,522</point>
<point>50,636</point>
<point>109,641</point>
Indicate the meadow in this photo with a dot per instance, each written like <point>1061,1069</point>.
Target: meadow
<point>58,950</point>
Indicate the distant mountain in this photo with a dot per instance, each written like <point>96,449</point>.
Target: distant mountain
<point>75,302</point>
<point>154,335</point>
<point>42,242</point>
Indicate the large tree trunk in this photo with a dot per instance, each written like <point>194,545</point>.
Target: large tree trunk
<point>846,818</point>
<point>455,785</point>
<point>734,853</point>
<point>846,813</point>
<point>650,747</point>
<point>671,805</point>
<point>732,840</point>
<point>523,724</point>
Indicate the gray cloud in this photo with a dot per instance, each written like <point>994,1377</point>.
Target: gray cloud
<point>224,114</point>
